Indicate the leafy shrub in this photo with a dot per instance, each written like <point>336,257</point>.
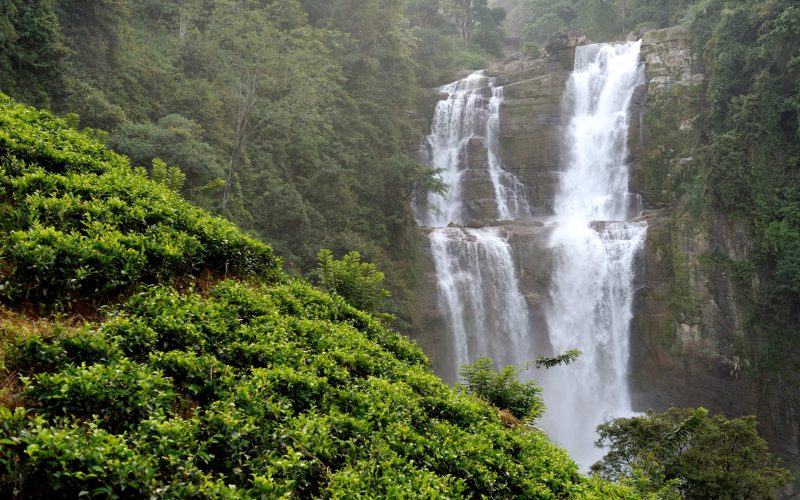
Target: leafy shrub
<point>360,283</point>
<point>502,389</point>
<point>390,476</point>
<point>687,454</point>
<point>201,378</point>
<point>333,410</point>
<point>62,459</point>
<point>120,394</point>
<point>35,354</point>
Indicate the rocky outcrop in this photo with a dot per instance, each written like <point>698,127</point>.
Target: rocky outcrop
<point>561,47</point>
<point>690,344</point>
<point>693,343</point>
<point>530,134</point>
<point>662,136</point>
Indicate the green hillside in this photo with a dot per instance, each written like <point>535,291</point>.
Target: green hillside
<point>152,350</point>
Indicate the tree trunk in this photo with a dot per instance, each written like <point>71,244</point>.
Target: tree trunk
<point>247,98</point>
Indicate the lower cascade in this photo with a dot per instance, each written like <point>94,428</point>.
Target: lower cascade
<point>480,294</point>
<point>594,241</point>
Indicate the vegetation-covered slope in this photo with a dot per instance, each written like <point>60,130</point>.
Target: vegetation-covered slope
<point>79,225</point>
<point>217,387</point>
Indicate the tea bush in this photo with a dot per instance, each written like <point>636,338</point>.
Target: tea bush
<point>328,409</point>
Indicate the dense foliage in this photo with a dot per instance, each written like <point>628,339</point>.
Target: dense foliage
<point>502,389</point>
<point>684,453</point>
<point>751,164</point>
<point>79,225</point>
<point>602,20</point>
<point>358,283</point>
<point>212,387</point>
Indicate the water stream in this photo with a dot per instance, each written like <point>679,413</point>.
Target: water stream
<point>595,246</point>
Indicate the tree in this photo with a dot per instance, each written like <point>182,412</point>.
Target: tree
<point>175,139</point>
<point>277,79</point>
<point>545,17</point>
<point>168,175</point>
<point>31,51</point>
<point>502,389</point>
<point>686,453</point>
<point>466,15</point>
<point>359,283</point>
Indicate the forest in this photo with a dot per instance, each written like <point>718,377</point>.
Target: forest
<point>189,188</point>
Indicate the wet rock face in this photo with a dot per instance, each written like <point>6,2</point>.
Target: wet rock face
<point>687,320</point>
<point>529,242</point>
<point>691,343</point>
<point>476,184</point>
<point>687,328</point>
<point>532,258</point>
<point>561,47</point>
<point>664,111</point>
<point>669,60</point>
<point>530,135</point>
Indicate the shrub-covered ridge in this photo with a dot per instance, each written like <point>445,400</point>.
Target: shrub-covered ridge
<point>78,224</point>
<point>266,388</point>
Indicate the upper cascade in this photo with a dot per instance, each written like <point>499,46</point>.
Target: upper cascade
<point>463,143</point>
<point>594,184</point>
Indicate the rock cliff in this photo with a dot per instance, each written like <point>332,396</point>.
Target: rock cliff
<point>693,338</point>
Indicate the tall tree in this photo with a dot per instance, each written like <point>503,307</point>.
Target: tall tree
<point>466,14</point>
<point>31,50</point>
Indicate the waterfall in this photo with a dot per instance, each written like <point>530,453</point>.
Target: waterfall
<point>594,245</point>
<point>463,144</point>
<point>479,292</point>
<point>476,279</point>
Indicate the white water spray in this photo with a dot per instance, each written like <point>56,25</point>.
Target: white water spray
<point>594,249</point>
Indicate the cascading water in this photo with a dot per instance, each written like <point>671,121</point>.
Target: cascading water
<point>476,277</point>
<point>594,246</point>
<point>479,292</point>
<point>471,111</point>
